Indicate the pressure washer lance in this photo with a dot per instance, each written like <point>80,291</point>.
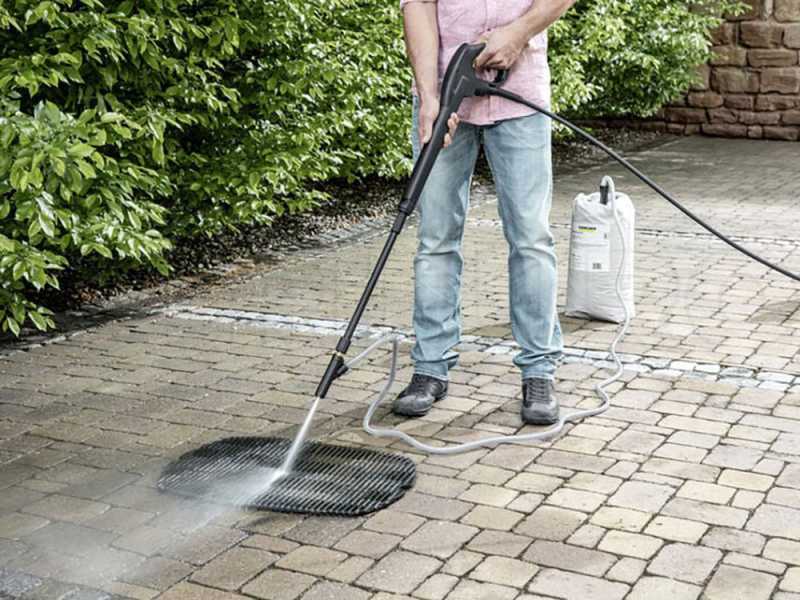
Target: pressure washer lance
<point>461,81</point>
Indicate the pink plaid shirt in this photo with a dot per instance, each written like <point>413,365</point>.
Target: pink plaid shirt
<point>463,21</point>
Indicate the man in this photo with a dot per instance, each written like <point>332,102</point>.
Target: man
<point>517,145</point>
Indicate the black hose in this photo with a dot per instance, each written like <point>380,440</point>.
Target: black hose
<point>512,96</point>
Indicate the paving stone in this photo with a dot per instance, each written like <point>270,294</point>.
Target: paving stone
<point>790,477</point>
<point>627,570</point>
<point>436,587</point>
<point>735,583</point>
<point>570,558</point>
<point>754,563</point>
<point>350,569</point>
<point>734,457</point>
<point>691,438</point>
<point>119,520</point>
<point>312,560</point>
<point>83,541</point>
<point>489,517</point>
<point>713,514</point>
<point>399,572</point>
<point>650,588</point>
<point>441,539</point>
<point>233,568</point>
<point>270,544</point>
<point>326,590</point>
<point>551,523</point>
<point>706,492</point>
<point>784,497</point>
<point>127,590</point>
<point>612,517</point>
<point>790,582</point>
<point>747,500</point>
<point>534,482</point>
<point>368,543</point>
<point>677,530</point>
<point>158,573</point>
<point>432,507</point>
<point>204,544</point>
<point>786,551</point>
<point>574,461</point>
<point>646,497</point>
<point>389,521</point>
<point>576,499</point>
<point>489,494</point>
<point>318,531</point>
<point>593,482</point>
<point>574,586</point>
<point>681,470</point>
<point>277,584</point>
<point>504,571</point>
<point>685,563</point>
<point>746,480</point>
<point>446,487</point>
<point>473,590</point>
<point>486,474</point>
<point>66,508</point>
<point>639,442</point>
<point>511,457</point>
<point>694,425</point>
<point>501,543</point>
<point>587,536</point>
<point>16,525</point>
<point>191,591</point>
<point>776,521</point>
<point>630,544</point>
<point>463,561</point>
<point>734,540</point>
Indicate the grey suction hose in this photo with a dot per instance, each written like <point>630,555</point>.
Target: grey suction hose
<point>520,438</point>
<point>497,91</point>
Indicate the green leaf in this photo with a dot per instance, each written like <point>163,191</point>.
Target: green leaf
<point>157,151</point>
<point>80,150</point>
<point>86,169</point>
<point>11,323</point>
<point>38,320</point>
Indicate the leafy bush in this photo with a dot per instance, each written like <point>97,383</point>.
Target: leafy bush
<point>127,123</point>
<point>613,57</point>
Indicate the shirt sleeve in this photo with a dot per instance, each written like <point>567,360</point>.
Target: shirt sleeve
<point>404,2</point>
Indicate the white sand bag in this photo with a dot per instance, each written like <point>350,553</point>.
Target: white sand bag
<point>596,249</point>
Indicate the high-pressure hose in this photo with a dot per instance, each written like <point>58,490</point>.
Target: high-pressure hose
<point>652,184</point>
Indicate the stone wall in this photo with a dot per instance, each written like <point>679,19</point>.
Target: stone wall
<point>752,86</point>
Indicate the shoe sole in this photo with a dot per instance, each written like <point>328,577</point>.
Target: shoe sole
<point>418,413</point>
<point>539,420</point>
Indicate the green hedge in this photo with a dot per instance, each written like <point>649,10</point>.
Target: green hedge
<point>124,124</point>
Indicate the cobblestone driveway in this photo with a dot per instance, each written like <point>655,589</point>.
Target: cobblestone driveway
<point>689,487</point>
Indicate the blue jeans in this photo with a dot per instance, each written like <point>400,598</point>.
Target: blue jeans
<point>519,154</point>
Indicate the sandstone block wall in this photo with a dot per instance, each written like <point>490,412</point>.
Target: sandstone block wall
<point>751,88</point>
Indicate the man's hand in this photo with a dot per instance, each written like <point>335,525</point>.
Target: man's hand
<point>503,47</point>
<point>428,111</point>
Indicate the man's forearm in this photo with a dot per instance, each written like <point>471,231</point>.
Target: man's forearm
<point>422,45</point>
<point>542,15</point>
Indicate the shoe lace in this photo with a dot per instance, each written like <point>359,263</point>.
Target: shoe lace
<point>537,391</point>
<point>418,383</point>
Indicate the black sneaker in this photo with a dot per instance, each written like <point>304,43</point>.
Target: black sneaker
<point>419,396</point>
<point>539,405</point>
